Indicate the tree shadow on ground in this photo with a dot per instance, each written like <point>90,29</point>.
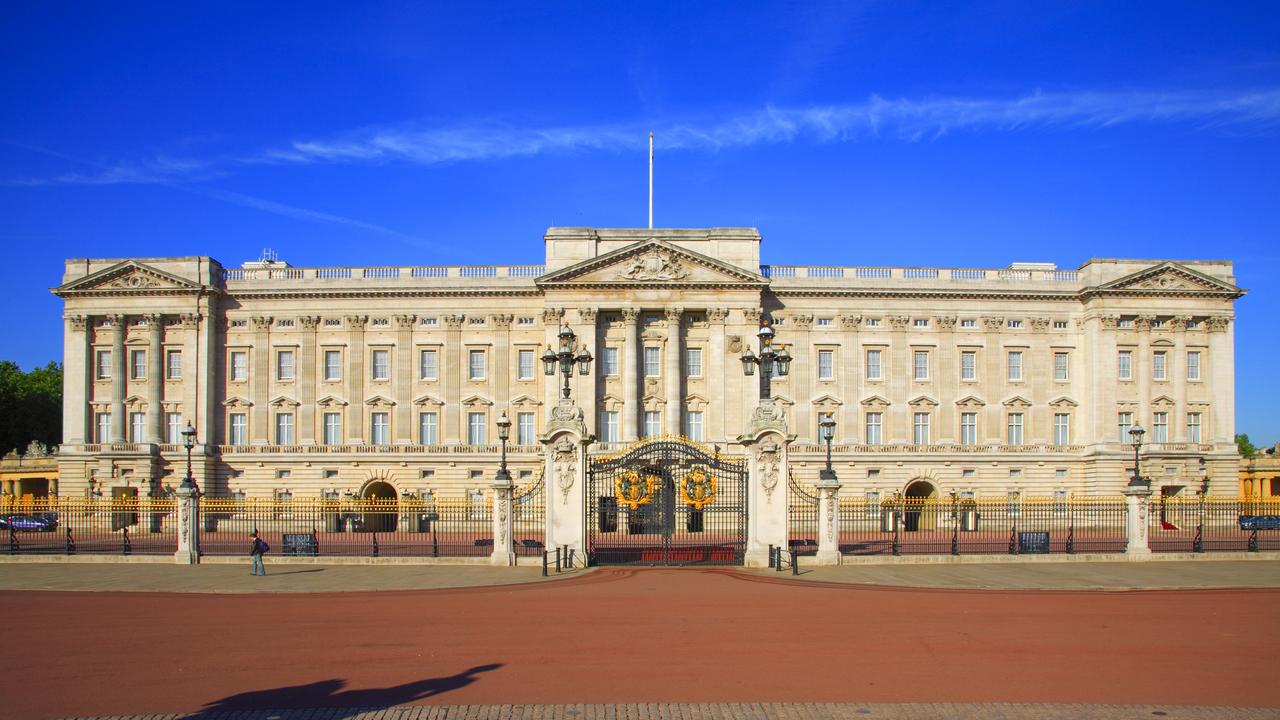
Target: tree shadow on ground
<point>330,694</point>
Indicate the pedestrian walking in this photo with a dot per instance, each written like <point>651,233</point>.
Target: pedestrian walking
<point>255,552</point>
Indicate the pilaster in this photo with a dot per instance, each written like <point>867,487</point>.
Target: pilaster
<point>77,380</point>
<point>307,366</point>
<point>354,424</point>
<point>586,387</point>
<point>715,371</point>
<point>631,381</point>
<point>155,378</point>
<point>403,428</point>
<point>119,422</point>
<point>260,427</point>
<point>672,361</point>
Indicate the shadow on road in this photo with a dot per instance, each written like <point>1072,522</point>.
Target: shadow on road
<point>330,694</point>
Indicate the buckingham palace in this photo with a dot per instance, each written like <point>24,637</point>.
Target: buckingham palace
<point>392,381</point>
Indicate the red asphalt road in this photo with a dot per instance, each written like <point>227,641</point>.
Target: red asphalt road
<point>624,636</point>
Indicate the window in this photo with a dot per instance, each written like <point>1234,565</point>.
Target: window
<point>332,428</point>
<point>1193,427</point>
<point>475,428</point>
<point>875,428</point>
<point>920,323</point>
<point>239,366</point>
<point>920,364</point>
<point>332,364</point>
<point>238,427</point>
<point>173,364</point>
<point>968,473</point>
<point>824,322</point>
<point>1060,366</point>
<point>921,428</point>
<point>476,365</point>
<point>379,428</point>
<point>1015,365</point>
<point>968,323</point>
<point>427,368</point>
<point>284,365</point>
<point>1124,423</point>
<point>1125,370</point>
<point>138,364</point>
<point>284,428</point>
<point>524,320</point>
<point>428,428</point>
<point>873,322</point>
<point>651,362</point>
<point>873,365</point>
<point>1061,429</point>
<point>826,364</point>
<point>693,425</point>
<point>104,427</point>
<point>524,365</point>
<point>1160,427</point>
<point>969,428</point>
<point>173,428</point>
<point>381,364</point>
<point>1014,324</point>
<point>652,423</point>
<point>693,362</point>
<point>1059,324</point>
<point>137,427</point>
<point>1159,365</point>
<point>609,426</point>
<point>102,365</point>
<point>1125,322</point>
<point>609,362</point>
<point>968,365</point>
<point>525,428</point>
<point>1015,428</point>
<point>1193,365</point>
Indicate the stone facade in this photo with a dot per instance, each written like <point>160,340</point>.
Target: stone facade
<point>332,380</point>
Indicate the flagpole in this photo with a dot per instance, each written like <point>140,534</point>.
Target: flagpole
<point>650,181</point>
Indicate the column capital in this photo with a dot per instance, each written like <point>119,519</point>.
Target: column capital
<point>117,322</point>
<point>945,323</point>
<point>899,322</point>
<point>552,315</point>
<point>308,322</point>
<point>717,316</point>
<point>79,323</point>
<point>992,323</point>
<point>501,321</point>
<point>1143,322</point>
<point>261,322</point>
<point>587,314</point>
<point>801,321</point>
<point>188,321</point>
<point>1218,323</point>
<point>1179,322</point>
<point>453,322</point>
<point>630,316</point>
<point>155,322</point>
<point>1039,324</point>
<point>850,322</point>
<point>673,314</point>
<point>1109,322</point>
<point>405,322</point>
<point>752,315</point>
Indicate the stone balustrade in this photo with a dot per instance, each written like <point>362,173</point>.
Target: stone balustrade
<point>394,273</point>
<point>959,275</point>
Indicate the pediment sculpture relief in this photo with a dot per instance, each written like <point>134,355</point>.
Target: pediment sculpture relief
<point>655,264</point>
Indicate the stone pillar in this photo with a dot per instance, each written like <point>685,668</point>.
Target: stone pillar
<point>77,381</point>
<point>504,552</point>
<point>118,363</point>
<point>260,426</point>
<point>716,365</point>
<point>631,380</point>
<point>896,369</point>
<point>402,426</point>
<point>307,364</point>
<point>673,363</point>
<point>828,519</point>
<point>1136,500</point>
<point>587,386</point>
<point>155,379</point>
<point>766,443</point>
<point>1222,386</point>
<point>354,423</point>
<point>1176,367</point>
<point>551,319</point>
<point>566,477</point>
<point>851,391</point>
<point>188,552</point>
<point>1142,374</point>
<point>994,382</point>
<point>803,379</point>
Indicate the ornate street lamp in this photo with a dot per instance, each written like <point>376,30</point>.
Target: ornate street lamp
<point>828,429</point>
<point>771,361</point>
<point>1198,544</point>
<point>504,434</point>
<point>189,442</point>
<point>1136,433</point>
<point>566,358</point>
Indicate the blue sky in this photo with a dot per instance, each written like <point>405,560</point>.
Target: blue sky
<point>893,133</point>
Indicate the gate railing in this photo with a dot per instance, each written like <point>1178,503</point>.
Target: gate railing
<point>89,525</point>
<point>1206,524</point>
<point>529,518</point>
<point>802,517</point>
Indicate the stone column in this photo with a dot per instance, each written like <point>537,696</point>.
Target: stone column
<point>851,389</point>
<point>1176,367</point>
<point>716,365</point>
<point>1142,374</point>
<point>260,427</point>
<point>803,377</point>
<point>994,382</point>
<point>766,443</point>
<point>631,380</point>
<point>897,376</point>
<point>402,427</point>
<point>828,519</point>
<point>675,400</point>
<point>1136,500</point>
<point>566,477</point>
<point>77,381</point>
<point>118,363</point>
<point>504,552</point>
<point>946,378</point>
<point>188,552</point>
<point>155,379</point>
<point>500,379</point>
<point>587,387</point>
<point>1101,363</point>
<point>1221,372</point>
<point>307,363</point>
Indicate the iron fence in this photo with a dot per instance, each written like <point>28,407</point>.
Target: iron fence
<point>802,518</point>
<point>89,525</point>
<point>1207,524</point>
<point>972,526</point>
<point>529,519</point>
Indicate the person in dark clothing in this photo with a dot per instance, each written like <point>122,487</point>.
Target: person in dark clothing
<point>255,552</point>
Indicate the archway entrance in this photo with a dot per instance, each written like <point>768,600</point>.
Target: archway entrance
<point>380,507</point>
<point>920,503</point>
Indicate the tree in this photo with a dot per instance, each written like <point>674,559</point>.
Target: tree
<point>1245,447</point>
<point>30,406</point>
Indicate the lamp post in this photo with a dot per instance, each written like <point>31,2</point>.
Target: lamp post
<point>188,552</point>
<point>1198,544</point>
<point>566,359</point>
<point>504,434</point>
<point>827,426</point>
<point>503,519</point>
<point>189,442</point>
<point>771,361</point>
<point>1136,433</point>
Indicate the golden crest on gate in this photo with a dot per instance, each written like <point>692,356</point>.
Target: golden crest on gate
<point>698,489</point>
<point>634,490</point>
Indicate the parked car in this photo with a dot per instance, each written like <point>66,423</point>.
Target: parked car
<point>43,522</point>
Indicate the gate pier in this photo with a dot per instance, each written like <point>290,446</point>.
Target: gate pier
<point>766,441</point>
<point>566,442</point>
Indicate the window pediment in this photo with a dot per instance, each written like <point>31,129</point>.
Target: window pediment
<point>379,401</point>
<point>282,402</point>
<point>971,401</point>
<point>525,401</point>
<point>427,400</point>
<point>1064,402</point>
<point>329,401</point>
<point>875,401</point>
<point>1017,401</point>
<point>477,401</point>
<point>237,402</point>
<point>826,400</point>
<point>923,401</point>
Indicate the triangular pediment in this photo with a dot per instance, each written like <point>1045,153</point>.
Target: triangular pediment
<point>651,262</point>
<point>1017,401</point>
<point>971,401</point>
<point>1169,278</point>
<point>826,399</point>
<point>329,401</point>
<point>131,277</point>
<point>875,401</point>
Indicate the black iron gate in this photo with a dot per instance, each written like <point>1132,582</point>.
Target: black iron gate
<point>666,502</point>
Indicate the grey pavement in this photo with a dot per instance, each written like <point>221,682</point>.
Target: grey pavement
<point>733,711</point>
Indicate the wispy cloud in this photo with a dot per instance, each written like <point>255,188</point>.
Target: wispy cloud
<point>876,118</point>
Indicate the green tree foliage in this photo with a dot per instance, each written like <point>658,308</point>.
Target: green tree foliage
<point>30,406</point>
<point>1245,446</point>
